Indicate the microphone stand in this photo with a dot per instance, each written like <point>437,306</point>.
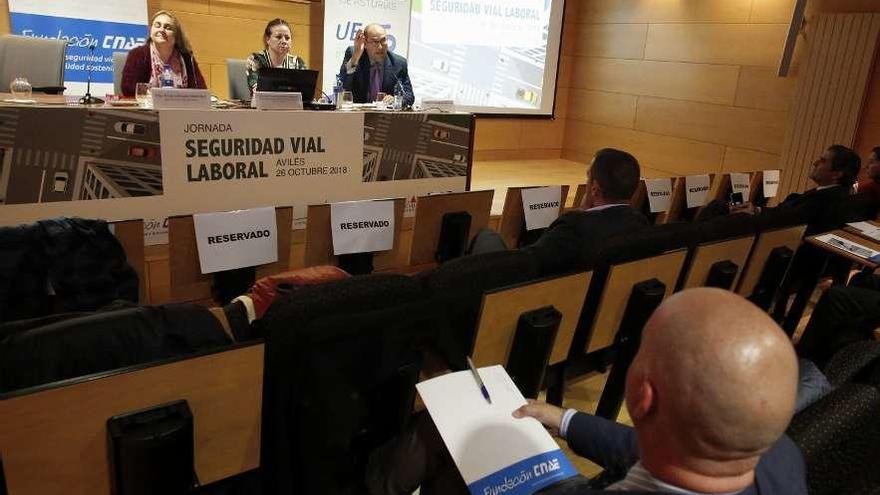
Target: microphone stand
<point>88,99</point>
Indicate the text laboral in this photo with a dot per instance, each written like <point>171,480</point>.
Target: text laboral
<point>237,147</point>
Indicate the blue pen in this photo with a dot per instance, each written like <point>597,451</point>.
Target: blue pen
<point>479,380</point>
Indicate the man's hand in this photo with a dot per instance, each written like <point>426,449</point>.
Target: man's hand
<point>549,415</point>
<point>360,40</point>
<point>743,208</point>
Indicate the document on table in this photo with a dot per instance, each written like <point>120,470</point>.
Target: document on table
<point>868,230</point>
<point>848,246</point>
<point>494,452</point>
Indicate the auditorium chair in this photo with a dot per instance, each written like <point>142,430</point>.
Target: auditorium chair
<point>512,227</point>
<point>528,326</point>
<point>456,290</point>
<point>40,60</point>
<point>53,439</point>
<point>723,248</point>
<point>634,273</point>
<point>342,360</point>
<point>236,72</point>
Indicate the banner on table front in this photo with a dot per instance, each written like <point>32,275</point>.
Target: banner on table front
<point>93,30</point>
<point>343,18</point>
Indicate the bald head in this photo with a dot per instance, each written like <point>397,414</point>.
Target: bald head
<point>376,42</point>
<point>721,376</point>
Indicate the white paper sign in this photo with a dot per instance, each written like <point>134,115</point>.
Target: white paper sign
<point>192,99</point>
<point>236,239</point>
<point>771,183</point>
<point>541,206</point>
<point>697,189</point>
<point>494,452</point>
<point>740,182</point>
<point>659,193</point>
<point>277,100</point>
<point>362,226</point>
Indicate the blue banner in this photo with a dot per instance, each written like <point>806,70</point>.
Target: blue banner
<point>81,35</point>
<point>527,476</point>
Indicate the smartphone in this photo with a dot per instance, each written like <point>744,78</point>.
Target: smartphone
<point>736,199</point>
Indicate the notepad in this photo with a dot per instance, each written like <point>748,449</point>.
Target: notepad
<point>494,452</point>
<point>867,229</point>
<point>848,246</point>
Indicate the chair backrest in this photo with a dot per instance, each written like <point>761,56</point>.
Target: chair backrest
<point>677,203</point>
<point>236,71</point>
<point>119,59</point>
<point>187,281</point>
<point>319,238</point>
<point>429,218</point>
<point>41,60</point>
<point>705,255</point>
<point>512,216</point>
<point>130,234</point>
<point>502,308</point>
<point>617,289</point>
<point>767,241</point>
<point>223,390</point>
<point>579,194</point>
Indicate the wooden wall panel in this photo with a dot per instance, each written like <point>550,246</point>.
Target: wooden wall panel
<point>760,87</point>
<point>732,44</point>
<point>761,130</point>
<point>831,92</point>
<point>599,107</point>
<point>742,160</point>
<point>618,11</point>
<point>778,11</point>
<point>610,40</point>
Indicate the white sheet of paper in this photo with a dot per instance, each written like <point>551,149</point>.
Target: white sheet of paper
<point>277,100</point>
<point>541,206</point>
<point>867,229</point>
<point>485,441</point>
<point>771,183</point>
<point>659,193</point>
<point>362,226</point>
<point>236,239</point>
<point>847,245</point>
<point>697,187</point>
<point>193,99</point>
<point>740,182</point>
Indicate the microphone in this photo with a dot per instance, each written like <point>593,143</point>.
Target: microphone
<point>88,99</point>
<point>399,90</point>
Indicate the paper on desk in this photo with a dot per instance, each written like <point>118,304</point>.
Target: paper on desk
<point>847,245</point>
<point>867,229</point>
<point>494,452</point>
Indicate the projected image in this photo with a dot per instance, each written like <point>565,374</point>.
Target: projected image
<point>483,53</point>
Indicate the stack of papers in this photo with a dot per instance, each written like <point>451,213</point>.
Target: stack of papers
<point>848,246</point>
<point>867,229</point>
<point>494,452</point>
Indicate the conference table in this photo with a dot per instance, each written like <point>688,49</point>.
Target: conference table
<point>122,162</point>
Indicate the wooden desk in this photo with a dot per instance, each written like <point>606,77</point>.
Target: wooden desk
<point>868,243</point>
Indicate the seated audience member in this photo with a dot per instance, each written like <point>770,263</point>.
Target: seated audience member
<point>379,72</point>
<point>574,240</point>
<point>167,44</point>
<point>277,40</point>
<point>710,392</point>
<point>834,173</point>
<point>870,185</point>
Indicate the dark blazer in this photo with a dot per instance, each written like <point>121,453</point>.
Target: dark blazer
<point>359,82</point>
<point>814,198</point>
<point>574,240</point>
<point>138,69</point>
<point>780,471</point>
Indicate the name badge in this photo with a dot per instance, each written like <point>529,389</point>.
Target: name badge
<point>659,193</point>
<point>697,189</point>
<point>740,182</point>
<point>541,206</point>
<point>277,100</point>
<point>236,239</point>
<point>193,99</point>
<point>362,226</point>
<point>771,183</point>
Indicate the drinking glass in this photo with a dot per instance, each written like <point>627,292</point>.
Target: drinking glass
<point>142,94</point>
<point>20,88</point>
<point>346,100</point>
<point>380,97</point>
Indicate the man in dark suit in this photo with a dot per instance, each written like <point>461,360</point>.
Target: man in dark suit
<point>575,239</point>
<point>710,392</point>
<point>380,71</point>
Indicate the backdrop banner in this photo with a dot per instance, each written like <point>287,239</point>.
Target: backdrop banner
<point>93,30</point>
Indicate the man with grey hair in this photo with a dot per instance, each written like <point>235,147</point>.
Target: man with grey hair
<point>373,73</point>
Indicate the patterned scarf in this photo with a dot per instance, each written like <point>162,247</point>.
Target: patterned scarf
<point>177,68</point>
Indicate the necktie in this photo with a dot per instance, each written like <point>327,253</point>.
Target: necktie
<point>375,81</point>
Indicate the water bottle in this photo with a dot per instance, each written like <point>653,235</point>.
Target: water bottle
<point>167,77</point>
<point>338,88</point>
<point>398,96</point>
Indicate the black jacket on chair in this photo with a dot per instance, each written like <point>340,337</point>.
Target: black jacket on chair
<point>574,240</point>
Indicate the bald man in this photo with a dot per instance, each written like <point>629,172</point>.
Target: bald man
<point>369,70</point>
<point>710,392</point>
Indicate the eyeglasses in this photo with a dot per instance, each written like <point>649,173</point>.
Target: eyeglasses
<point>381,41</point>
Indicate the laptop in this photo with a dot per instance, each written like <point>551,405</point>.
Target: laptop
<point>290,80</point>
